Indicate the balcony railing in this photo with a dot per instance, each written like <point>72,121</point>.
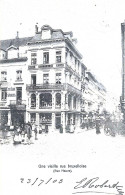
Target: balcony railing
<point>20,104</point>
<point>32,67</point>
<point>51,86</point>
<point>45,66</point>
<point>2,104</point>
<point>17,102</point>
<point>46,105</point>
<point>45,86</point>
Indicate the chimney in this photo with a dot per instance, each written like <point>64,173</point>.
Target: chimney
<point>36,29</point>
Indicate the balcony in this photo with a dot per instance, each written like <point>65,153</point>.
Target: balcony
<point>32,67</point>
<point>45,66</point>
<point>45,86</point>
<point>52,86</point>
<point>3,104</point>
<point>19,105</point>
<point>46,105</point>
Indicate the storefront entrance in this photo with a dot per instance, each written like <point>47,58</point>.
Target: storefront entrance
<point>58,120</point>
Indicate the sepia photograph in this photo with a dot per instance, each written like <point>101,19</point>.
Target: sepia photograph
<point>62,97</point>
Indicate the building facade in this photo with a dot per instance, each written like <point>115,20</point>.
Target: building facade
<point>42,79</point>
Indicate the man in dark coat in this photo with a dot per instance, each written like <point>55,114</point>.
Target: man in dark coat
<point>97,123</point>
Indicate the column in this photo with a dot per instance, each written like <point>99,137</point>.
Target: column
<point>37,119</point>
<point>53,122</point>
<point>9,118</point>
<point>78,120</point>
<point>53,100</point>
<point>37,101</point>
<point>63,121</point>
<point>66,102</point>
<point>63,100</point>
<point>72,98</point>
<point>27,117</point>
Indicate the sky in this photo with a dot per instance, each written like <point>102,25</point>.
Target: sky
<point>95,23</point>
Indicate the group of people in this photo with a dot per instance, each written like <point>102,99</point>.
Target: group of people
<point>24,132</point>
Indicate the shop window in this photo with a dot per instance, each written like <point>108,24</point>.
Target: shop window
<point>58,56</point>
<point>46,78</point>
<point>33,117</point>
<point>45,100</point>
<point>58,78</point>
<point>58,100</point>
<point>4,76</point>
<point>4,94</point>
<point>45,118</point>
<point>19,75</point>
<point>33,58</point>
<point>46,58</point>
<point>33,101</point>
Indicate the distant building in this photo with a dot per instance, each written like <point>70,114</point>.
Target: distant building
<point>123,69</point>
<point>43,80</point>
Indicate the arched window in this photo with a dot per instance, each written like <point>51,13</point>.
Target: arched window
<point>45,100</point>
<point>58,100</point>
<point>33,101</point>
<point>69,101</point>
<point>74,102</point>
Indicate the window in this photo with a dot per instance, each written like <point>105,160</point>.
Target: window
<point>33,117</point>
<point>58,56</point>
<point>33,58</point>
<point>58,100</point>
<point>4,76</point>
<point>4,94</point>
<point>19,74</point>
<point>46,58</point>
<point>46,78</point>
<point>58,78</point>
<point>33,79</point>
<point>33,100</point>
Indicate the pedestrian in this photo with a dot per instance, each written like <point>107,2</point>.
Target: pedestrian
<point>35,132</point>
<point>46,128</point>
<point>17,135</point>
<point>29,133</point>
<point>61,128</point>
<point>97,123</point>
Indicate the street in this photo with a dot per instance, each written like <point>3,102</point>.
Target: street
<point>102,156</point>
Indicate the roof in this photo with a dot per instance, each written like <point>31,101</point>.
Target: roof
<point>4,44</point>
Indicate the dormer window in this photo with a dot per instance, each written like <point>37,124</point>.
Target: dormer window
<point>3,76</point>
<point>46,32</point>
<point>33,58</point>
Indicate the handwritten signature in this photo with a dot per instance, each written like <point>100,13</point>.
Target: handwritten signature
<point>93,186</point>
<point>84,186</point>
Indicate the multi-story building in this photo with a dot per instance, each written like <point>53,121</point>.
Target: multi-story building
<point>94,95</point>
<point>122,100</point>
<point>42,79</point>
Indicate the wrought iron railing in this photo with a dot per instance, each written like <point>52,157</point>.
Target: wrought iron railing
<point>64,86</point>
<point>17,102</point>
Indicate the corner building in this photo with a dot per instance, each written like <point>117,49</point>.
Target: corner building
<point>41,79</point>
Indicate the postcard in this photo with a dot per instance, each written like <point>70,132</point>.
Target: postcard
<point>62,97</point>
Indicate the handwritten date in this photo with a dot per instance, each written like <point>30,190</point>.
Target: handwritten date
<point>38,181</point>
